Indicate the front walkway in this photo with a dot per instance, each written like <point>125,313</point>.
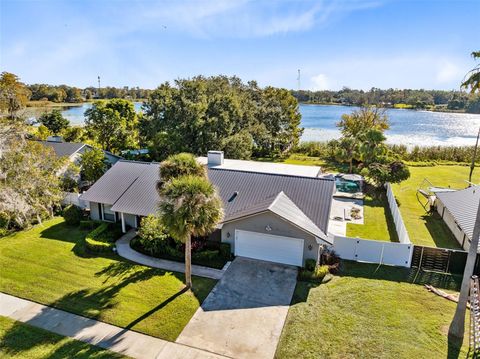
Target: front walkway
<point>97,333</point>
<point>124,250</point>
<point>243,316</point>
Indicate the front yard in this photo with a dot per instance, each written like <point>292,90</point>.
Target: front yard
<point>46,265</point>
<point>368,313</point>
<point>24,341</point>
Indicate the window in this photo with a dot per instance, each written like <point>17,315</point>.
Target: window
<point>108,214</point>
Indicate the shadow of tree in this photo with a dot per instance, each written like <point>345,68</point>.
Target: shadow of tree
<point>21,338</point>
<point>439,231</point>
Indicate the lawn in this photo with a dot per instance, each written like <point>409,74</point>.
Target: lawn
<point>378,221</point>
<point>22,340</point>
<point>425,229</point>
<point>46,265</point>
<point>368,313</point>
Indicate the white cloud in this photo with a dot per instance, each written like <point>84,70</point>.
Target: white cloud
<point>319,82</point>
<point>247,18</point>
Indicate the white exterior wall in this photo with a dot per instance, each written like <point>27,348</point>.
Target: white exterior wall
<point>452,224</point>
<point>257,223</point>
<point>94,213</point>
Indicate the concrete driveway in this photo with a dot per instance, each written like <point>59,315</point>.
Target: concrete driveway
<point>244,314</point>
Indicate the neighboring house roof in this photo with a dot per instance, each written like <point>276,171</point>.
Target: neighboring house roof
<point>463,206</point>
<point>266,167</point>
<point>304,201</point>
<point>62,149</point>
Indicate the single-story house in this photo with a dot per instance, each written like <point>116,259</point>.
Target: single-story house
<point>74,150</point>
<point>459,211</point>
<point>270,216</point>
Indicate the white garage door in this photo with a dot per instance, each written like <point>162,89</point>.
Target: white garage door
<point>286,250</point>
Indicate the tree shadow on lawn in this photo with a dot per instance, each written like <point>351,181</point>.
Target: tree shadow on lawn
<point>23,337</point>
<point>90,304</point>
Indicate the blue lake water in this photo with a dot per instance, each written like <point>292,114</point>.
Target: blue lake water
<point>408,127</point>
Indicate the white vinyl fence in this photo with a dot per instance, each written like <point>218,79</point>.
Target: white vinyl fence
<point>397,216</point>
<point>366,250</point>
<point>73,198</point>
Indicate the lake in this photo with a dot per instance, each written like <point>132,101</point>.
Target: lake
<point>408,127</point>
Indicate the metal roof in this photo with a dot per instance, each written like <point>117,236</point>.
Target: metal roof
<point>283,207</point>
<point>62,149</point>
<point>131,187</point>
<point>265,167</point>
<point>463,206</point>
<point>116,181</point>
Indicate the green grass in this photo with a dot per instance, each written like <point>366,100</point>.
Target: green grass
<point>46,265</point>
<point>425,229</point>
<point>378,222</point>
<point>368,313</point>
<point>24,341</point>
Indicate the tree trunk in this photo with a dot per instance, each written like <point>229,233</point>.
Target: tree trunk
<point>472,166</point>
<point>188,262</point>
<point>457,327</point>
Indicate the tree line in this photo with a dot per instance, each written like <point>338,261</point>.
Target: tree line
<point>406,98</point>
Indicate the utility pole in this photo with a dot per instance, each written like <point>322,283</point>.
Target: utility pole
<point>298,80</point>
<point>98,94</point>
<point>472,166</point>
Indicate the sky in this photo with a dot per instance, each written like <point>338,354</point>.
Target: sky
<point>358,44</point>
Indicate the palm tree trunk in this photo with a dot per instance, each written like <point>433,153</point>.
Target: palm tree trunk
<point>188,262</point>
<point>457,327</point>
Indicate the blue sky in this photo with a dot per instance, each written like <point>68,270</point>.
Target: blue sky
<point>360,44</point>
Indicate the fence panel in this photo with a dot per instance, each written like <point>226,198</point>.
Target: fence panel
<point>73,198</point>
<point>442,260</point>
<point>397,216</point>
<point>365,250</point>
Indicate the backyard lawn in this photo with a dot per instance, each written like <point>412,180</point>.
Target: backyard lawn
<point>368,313</point>
<point>378,222</point>
<point>425,229</point>
<point>24,341</point>
<point>46,265</point>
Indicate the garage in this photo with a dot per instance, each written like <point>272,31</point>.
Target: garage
<point>268,247</point>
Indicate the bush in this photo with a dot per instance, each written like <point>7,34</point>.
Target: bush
<point>205,255</point>
<point>152,235</point>
<point>102,238</point>
<point>310,264</point>
<point>316,275</point>
<point>89,224</point>
<point>72,215</point>
<point>225,251</point>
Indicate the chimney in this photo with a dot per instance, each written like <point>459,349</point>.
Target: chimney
<point>54,139</point>
<point>215,158</point>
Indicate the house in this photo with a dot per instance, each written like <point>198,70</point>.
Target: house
<point>459,211</point>
<point>276,217</point>
<point>74,150</point>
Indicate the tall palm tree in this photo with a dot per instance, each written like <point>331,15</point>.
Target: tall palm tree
<point>472,79</point>
<point>180,164</point>
<point>189,206</point>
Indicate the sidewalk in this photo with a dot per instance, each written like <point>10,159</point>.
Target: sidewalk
<point>107,336</point>
<point>124,250</point>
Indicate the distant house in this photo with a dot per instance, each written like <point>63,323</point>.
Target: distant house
<point>459,211</point>
<point>74,150</point>
<point>272,213</point>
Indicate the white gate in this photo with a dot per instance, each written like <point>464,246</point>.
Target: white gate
<point>365,250</point>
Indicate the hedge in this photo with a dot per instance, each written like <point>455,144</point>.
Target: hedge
<point>99,240</point>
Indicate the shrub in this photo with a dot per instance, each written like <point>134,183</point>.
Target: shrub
<point>310,264</point>
<point>152,235</point>
<point>316,275</point>
<point>205,255</point>
<point>225,251</point>
<point>72,215</point>
<point>102,238</point>
<point>320,272</point>
<point>89,224</point>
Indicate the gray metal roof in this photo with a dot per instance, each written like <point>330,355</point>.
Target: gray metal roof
<point>463,206</point>
<point>116,181</point>
<point>283,207</point>
<point>131,187</point>
<point>62,149</point>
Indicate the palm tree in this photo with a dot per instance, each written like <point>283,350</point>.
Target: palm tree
<point>181,164</point>
<point>189,206</point>
<point>472,79</point>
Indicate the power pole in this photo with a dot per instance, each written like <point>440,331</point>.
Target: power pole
<point>472,166</point>
<point>298,80</point>
<point>98,94</point>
